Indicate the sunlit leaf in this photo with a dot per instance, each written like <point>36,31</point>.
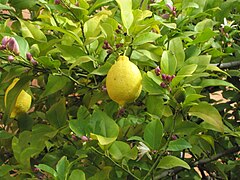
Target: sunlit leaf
<point>169,162</point>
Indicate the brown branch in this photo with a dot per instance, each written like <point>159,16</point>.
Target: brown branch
<point>228,64</point>
<point>176,170</point>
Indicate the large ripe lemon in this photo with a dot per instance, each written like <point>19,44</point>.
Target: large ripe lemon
<point>124,81</point>
<point>23,102</point>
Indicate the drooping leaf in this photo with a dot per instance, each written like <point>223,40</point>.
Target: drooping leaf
<point>104,129</point>
<point>207,113</point>
<point>153,133</point>
<point>169,162</point>
<point>47,169</point>
<point>32,31</point>
<point>216,82</point>
<point>57,115</point>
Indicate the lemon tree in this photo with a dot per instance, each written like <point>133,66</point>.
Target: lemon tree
<point>119,89</point>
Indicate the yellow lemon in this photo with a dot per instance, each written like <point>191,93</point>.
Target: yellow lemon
<point>124,81</point>
<point>23,102</point>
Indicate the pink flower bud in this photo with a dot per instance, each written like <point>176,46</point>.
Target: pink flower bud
<point>104,88</point>
<point>119,26</point>
<point>10,58</point>
<point>163,85</point>
<point>2,47</point>
<point>164,76</point>
<point>84,138</point>
<point>157,71</point>
<point>165,16</point>
<point>170,7</point>
<point>13,46</point>
<point>5,40</point>
<point>29,56</point>
<point>57,1</point>
<point>34,62</point>
<point>169,78</point>
<point>173,76</point>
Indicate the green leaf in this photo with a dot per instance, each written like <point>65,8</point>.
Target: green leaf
<point>4,170</point>
<point>23,45</point>
<point>104,129</point>
<point>32,31</point>
<point>150,86</point>
<point>79,126</point>
<point>77,174</point>
<point>178,145</point>
<point>54,84</point>
<point>168,63</point>
<point>5,135</point>
<point>22,4</point>
<point>176,48</point>
<point>216,82</point>
<point>47,169</point>
<point>169,162</point>
<point>57,115</point>
<point>104,173</point>
<point>192,97</point>
<point>145,38</point>
<point>49,63</point>
<point>205,24</point>
<point>204,36</point>
<point>187,69</point>
<point>102,70</point>
<point>207,113</point>
<point>153,133</point>
<point>98,4</point>
<point>120,150</point>
<point>62,168</point>
<point>126,12</point>
<point>201,61</point>
<point>155,105</point>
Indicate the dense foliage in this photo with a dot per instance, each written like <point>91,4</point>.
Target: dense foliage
<point>187,50</point>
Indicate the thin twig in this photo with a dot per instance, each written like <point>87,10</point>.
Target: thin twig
<point>228,64</point>
<point>174,171</point>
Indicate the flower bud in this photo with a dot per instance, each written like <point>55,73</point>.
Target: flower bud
<point>173,76</point>
<point>165,16</point>
<point>84,138</point>
<point>2,47</point>
<point>5,40</point>
<point>117,31</point>
<point>57,1</point>
<point>104,88</point>
<point>157,71</point>
<point>119,26</point>
<point>34,62</point>
<point>119,45</point>
<point>29,56</point>
<point>164,76</point>
<point>10,58</point>
<point>169,78</point>
<point>13,46</point>
<point>163,85</point>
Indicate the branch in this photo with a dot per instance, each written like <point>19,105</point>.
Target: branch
<point>176,170</point>
<point>227,65</point>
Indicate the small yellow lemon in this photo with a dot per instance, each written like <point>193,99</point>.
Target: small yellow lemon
<point>23,102</point>
<point>124,81</point>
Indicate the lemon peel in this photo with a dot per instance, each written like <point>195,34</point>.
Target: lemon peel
<point>124,81</point>
<point>23,102</point>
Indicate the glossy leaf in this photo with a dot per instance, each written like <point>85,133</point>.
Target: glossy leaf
<point>176,48</point>
<point>98,4</point>
<point>169,162</point>
<point>62,168</point>
<point>153,133</point>
<point>168,63</point>
<point>126,12</point>
<point>207,113</point>
<point>104,129</point>
<point>178,145</point>
<point>216,82</point>
<point>155,105</point>
<point>47,169</point>
<point>150,86</point>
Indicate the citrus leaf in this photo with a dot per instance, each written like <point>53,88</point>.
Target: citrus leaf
<point>168,63</point>
<point>178,145</point>
<point>153,133</point>
<point>216,82</point>
<point>145,38</point>
<point>47,169</point>
<point>126,12</point>
<point>77,174</point>
<point>176,47</point>
<point>207,113</point>
<point>169,162</point>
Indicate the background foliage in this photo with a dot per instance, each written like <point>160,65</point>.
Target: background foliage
<point>74,131</point>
